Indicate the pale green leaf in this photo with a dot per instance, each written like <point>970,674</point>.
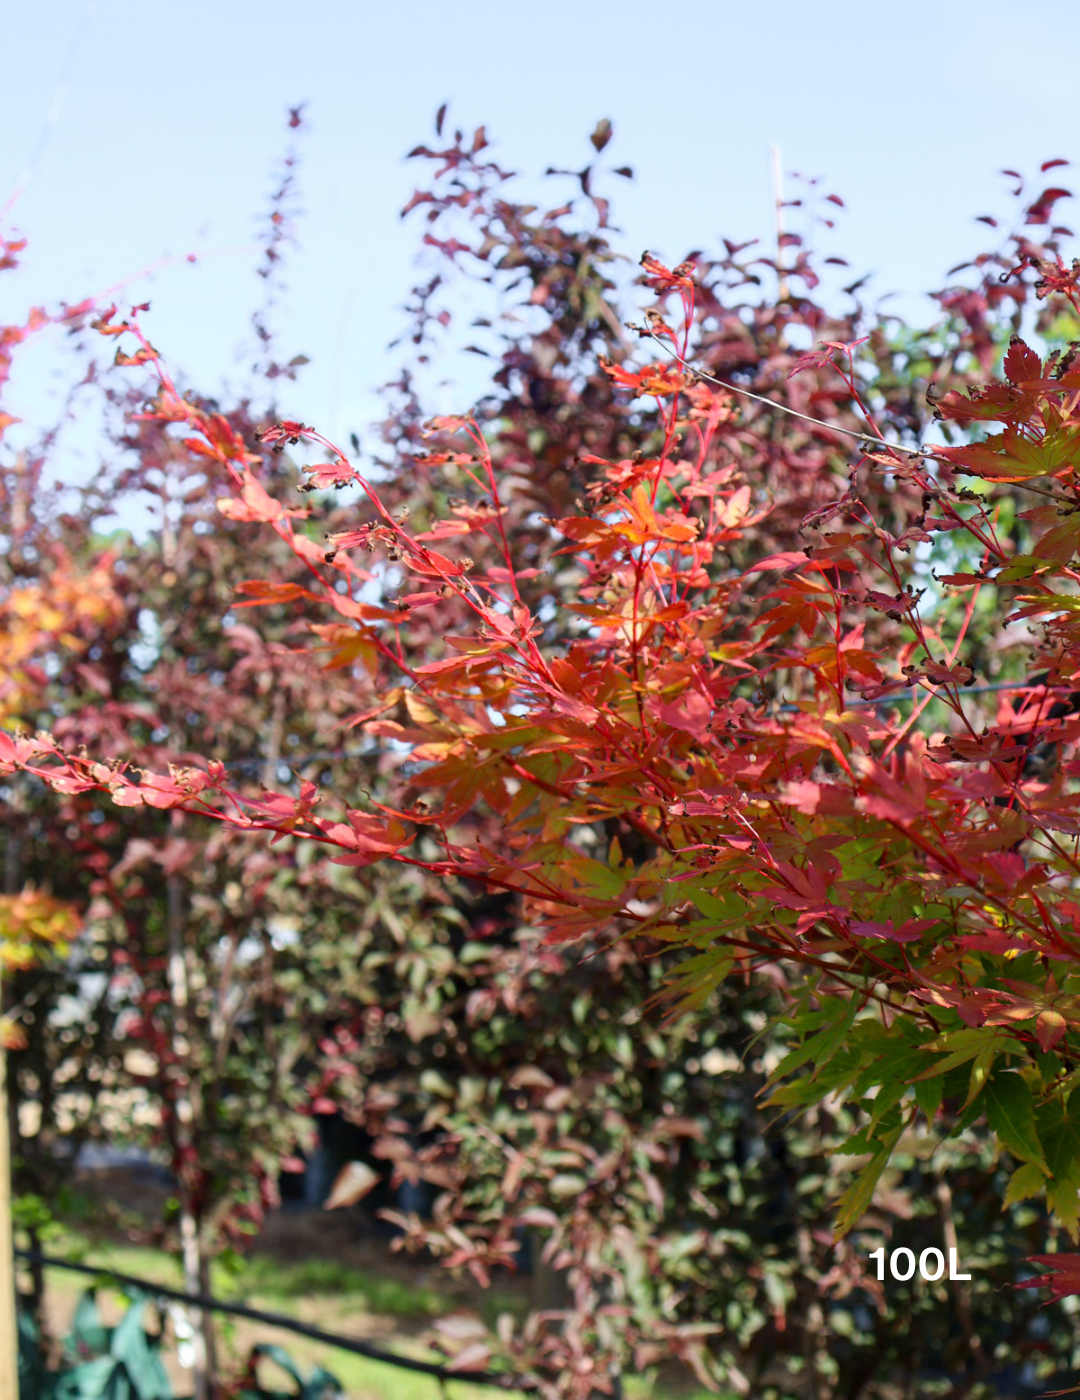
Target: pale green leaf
<point>856,1200</point>
<point>1026,1181</point>
<point>1011,1115</point>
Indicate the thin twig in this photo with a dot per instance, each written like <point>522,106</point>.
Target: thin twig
<point>913,454</point>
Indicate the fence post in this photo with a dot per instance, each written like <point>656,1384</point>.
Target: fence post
<point>9,1333</point>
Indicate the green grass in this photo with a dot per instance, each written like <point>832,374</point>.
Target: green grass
<point>152,1264</point>
<point>266,1277</point>
<point>263,1276</point>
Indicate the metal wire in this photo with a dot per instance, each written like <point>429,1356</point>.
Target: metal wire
<point>329,755</point>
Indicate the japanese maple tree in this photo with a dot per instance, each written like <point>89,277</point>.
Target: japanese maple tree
<point>678,639</point>
<point>872,860</point>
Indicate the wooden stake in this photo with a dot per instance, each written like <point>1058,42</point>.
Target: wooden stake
<point>9,1332</point>
<point>9,1327</point>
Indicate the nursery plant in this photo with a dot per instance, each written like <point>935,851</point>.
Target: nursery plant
<point>737,643</point>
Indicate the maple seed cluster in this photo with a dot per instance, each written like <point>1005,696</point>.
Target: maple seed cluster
<point>282,433</point>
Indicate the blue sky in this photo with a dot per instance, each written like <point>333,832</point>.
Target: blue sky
<point>172,119</point>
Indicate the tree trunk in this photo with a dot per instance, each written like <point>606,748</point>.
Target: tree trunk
<point>201,1345</point>
<point>551,1289</point>
<point>191,1252</point>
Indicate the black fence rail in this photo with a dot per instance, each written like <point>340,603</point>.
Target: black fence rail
<point>290,1324</point>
